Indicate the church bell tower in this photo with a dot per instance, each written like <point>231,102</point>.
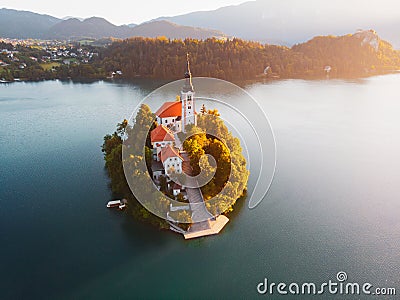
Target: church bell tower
<point>187,99</point>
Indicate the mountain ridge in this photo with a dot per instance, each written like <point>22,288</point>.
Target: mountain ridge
<point>25,24</point>
<point>287,22</point>
<point>282,22</point>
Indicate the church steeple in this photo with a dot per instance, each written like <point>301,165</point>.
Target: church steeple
<point>187,99</point>
<point>188,86</point>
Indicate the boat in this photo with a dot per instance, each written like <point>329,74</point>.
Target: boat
<point>114,203</point>
<point>121,204</point>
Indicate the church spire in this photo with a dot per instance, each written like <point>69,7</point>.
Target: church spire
<point>188,77</point>
<point>187,73</point>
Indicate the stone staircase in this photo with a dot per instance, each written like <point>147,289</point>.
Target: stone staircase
<point>200,214</point>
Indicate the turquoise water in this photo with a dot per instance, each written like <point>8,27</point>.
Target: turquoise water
<point>333,206</point>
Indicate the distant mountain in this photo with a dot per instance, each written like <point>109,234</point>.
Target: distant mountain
<point>288,22</point>
<point>99,28</point>
<point>172,30</point>
<point>24,24</point>
<point>283,22</point>
<point>71,17</point>
<point>89,28</point>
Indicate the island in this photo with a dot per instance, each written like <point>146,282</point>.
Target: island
<point>190,156</point>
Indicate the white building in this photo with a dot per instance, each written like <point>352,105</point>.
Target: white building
<point>161,137</point>
<point>169,115</point>
<point>171,160</point>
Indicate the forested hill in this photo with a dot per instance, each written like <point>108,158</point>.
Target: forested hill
<point>350,56</point>
<point>353,55</point>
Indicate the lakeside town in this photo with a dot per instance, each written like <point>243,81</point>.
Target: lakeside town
<point>24,53</point>
<point>35,60</point>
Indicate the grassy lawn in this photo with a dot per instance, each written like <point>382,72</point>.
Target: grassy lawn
<point>49,66</point>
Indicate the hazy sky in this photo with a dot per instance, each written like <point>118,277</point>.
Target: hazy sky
<point>116,11</point>
<point>136,11</point>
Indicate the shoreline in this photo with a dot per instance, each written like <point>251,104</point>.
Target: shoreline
<point>243,82</point>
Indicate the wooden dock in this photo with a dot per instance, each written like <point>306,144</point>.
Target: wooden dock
<point>215,227</point>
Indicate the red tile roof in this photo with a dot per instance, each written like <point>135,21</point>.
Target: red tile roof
<point>168,152</point>
<point>170,109</point>
<point>161,134</point>
<point>177,187</point>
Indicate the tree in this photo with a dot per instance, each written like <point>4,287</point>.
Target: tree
<point>203,109</point>
<point>245,60</point>
<point>182,215</point>
<point>149,158</point>
<point>138,133</point>
<point>213,112</point>
<point>231,175</point>
<point>163,183</point>
<point>181,198</point>
<point>121,128</point>
<point>135,157</point>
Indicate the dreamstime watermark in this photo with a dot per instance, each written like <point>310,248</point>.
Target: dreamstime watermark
<point>238,110</point>
<point>340,286</point>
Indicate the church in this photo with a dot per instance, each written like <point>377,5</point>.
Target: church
<point>176,115</point>
<point>172,118</point>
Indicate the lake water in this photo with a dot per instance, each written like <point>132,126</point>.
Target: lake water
<point>333,206</point>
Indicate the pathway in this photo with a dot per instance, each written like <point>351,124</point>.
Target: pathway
<point>204,223</point>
